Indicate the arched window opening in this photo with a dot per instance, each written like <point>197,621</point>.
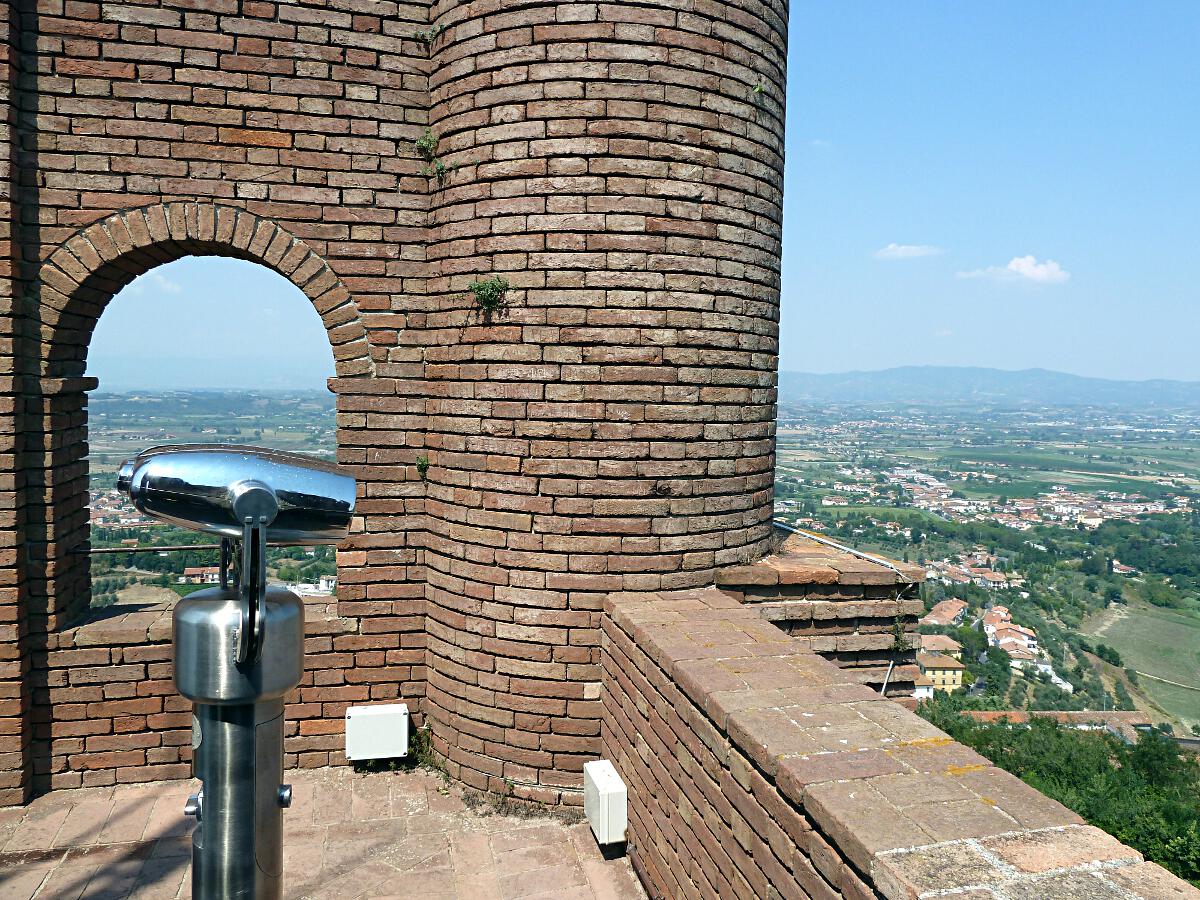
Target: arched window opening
<point>200,350</point>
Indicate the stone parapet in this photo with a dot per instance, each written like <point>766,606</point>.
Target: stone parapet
<point>106,710</point>
<point>756,768</point>
<point>856,610</point>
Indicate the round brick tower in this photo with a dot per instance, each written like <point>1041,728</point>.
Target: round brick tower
<point>611,427</point>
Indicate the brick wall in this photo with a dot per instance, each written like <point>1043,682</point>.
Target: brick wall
<point>619,164</point>
<point>275,132</point>
<point>613,428</point>
<point>756,769</point>
<point>105,708</point>
<point>14,691</point>
<point>856,610</point>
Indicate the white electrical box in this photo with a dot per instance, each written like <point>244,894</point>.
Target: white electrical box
<point>605,801</point>
<point>379,731</point>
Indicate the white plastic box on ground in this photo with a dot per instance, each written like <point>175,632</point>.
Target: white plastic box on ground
<point>605,801</point>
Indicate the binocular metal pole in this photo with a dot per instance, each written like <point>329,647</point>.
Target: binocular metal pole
<point>239,648</point>
<point>237,847</point>
<point>238,652</point>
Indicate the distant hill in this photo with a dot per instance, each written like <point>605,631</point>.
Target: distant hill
<point>987,387</point>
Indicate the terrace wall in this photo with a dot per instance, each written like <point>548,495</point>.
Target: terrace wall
<point>106,710</point>
<point>620,164</point>
<point>758,769</point>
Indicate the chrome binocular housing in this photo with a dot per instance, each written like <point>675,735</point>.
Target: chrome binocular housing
<point>214,487</point>
<point>239,648</point>
<point>252,498</point>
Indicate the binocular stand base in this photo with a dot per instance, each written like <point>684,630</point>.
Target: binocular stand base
<point>237,847</point>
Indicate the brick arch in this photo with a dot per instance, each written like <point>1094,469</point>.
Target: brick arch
<point>78,279</point>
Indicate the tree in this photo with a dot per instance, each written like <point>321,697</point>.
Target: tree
<point>1147,795</point>
<point>1124,701</point>
<point>1108,654</point>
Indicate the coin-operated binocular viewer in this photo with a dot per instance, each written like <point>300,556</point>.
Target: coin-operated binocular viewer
<point>239,648</point>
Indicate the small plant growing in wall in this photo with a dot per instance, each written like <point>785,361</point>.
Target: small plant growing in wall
<point>426,36</point>
<point>491,294</point>
<point>427,147</point>
<point>758,93</point>
<point>422,467</point>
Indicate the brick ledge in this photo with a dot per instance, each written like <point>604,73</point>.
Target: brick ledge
<point>908,807</point>
<point>802,560</point>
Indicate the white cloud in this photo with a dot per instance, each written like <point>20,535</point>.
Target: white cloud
<point>153,281</point>
<point>820,143</point>
<point>907,251</point>
<point>165,284</point>
<point>944,333</point>
<point>1023,268</point>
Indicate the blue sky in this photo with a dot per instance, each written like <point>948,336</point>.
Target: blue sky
<point>209,322</point>
<point>987,133</point>
<point>1009,184</point>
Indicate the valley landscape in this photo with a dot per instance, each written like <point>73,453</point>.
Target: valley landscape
<point>1062,538</point>
<point>1088,513</point>
<point>1081,519</point>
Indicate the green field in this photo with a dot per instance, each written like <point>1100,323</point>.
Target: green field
<point>1160,642</point>
<point>904,515</point>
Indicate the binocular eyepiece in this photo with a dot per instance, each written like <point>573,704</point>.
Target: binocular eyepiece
<point>214,488</point>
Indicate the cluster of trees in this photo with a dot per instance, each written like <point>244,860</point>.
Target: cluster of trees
<point>1146,795</point>
<point>1108,654</point>
<point>1164,548</point>
<point>1168,545</point>
<point>295,565</point>
<point>111,585</point>
<point>113,571</point>
<point>104,590</point>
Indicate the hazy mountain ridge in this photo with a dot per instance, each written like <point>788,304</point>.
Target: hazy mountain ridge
<point>992,387</point>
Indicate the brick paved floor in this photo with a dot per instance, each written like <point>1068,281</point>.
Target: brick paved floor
<point>347,836</point>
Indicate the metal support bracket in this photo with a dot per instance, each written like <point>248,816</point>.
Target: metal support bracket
<point>256,506</point>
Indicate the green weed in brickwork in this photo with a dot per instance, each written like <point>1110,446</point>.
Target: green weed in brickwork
<point>420,750</point>
<point>490,293</point>
<point>422,467</point>
<point>758,91</point>
<point>426,146</point>
<point>428,35</point>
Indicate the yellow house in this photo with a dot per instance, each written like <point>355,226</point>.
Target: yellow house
<point>945,672</point>
<point>940,643</point>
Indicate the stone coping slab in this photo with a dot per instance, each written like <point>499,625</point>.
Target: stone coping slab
<point>909,807</point>
<point>150,623</point>
<point>804,561</point>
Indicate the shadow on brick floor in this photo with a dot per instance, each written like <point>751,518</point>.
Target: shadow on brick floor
<point>388,835</point>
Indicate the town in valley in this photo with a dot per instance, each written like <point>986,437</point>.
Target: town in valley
<point>1061,546</point>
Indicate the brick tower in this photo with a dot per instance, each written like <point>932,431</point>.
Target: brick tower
<point>620,166</point>
<point>609,428</point>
